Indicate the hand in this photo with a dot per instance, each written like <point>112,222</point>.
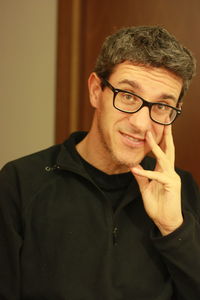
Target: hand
<point>161,188</point>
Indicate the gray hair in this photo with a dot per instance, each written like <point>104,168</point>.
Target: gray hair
<point>151,46</point>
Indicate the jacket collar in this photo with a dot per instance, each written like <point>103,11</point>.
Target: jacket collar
<point>68,157</point>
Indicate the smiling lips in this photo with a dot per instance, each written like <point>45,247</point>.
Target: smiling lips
<point>132,140</point>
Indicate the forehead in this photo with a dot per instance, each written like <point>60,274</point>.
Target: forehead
<point>147,77</point>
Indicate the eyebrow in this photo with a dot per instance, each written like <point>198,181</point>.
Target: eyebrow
<point>132,83</point>
<point>136,85</point>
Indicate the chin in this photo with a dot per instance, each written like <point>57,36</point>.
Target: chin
<point>129,156</point>
<point>127,162</point>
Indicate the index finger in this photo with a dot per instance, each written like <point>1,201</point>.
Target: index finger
<point>163,160</point>
<point>167,143</point>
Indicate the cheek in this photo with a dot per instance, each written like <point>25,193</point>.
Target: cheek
<point>109,118</point>
<point>109,114</point>
<point>105,118</point>
<point>158,133</point>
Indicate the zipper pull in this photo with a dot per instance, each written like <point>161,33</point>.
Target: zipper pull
<point>115,236</point>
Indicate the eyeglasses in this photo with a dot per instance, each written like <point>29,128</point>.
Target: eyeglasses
<point>128,102</point>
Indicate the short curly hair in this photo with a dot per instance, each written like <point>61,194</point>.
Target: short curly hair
<point>151,46</point>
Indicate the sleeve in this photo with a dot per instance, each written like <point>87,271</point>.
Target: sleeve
<point>10,234</point>
<point>180,250</point>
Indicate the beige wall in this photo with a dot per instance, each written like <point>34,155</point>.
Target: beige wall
<point>27,76</point>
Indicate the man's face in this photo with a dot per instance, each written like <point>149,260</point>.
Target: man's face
<point>121,135</point>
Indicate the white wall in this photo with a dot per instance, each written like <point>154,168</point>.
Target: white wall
<point>27,76</point>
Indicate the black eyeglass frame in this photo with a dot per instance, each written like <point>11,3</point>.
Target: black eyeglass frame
<point>144,103</point>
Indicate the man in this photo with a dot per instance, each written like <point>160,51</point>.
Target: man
<point>95,217</point>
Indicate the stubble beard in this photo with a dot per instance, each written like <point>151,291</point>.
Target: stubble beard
<point>116,158</point>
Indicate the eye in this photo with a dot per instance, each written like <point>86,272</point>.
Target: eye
<point>128,98</point>
<point>163,109</point>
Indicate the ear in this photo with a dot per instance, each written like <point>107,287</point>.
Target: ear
<point>95,90</point>
<point>180,104</point>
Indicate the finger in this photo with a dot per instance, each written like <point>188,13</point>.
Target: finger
<point>166,130</point>
<point>157,151</point>
<point>169,143</point>
<point>152,175</point>
<point>142,181</point>
<point>154,146</point>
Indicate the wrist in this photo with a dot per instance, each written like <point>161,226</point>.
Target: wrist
<point>169,228</point>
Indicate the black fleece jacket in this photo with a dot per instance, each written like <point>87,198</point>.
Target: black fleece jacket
<point>60,240</point>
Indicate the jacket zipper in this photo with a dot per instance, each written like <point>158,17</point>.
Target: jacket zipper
<point>115,235</point>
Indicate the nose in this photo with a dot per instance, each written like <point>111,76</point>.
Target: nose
<point>141,119</point>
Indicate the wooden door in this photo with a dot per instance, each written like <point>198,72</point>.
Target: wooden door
<point>82,27</point>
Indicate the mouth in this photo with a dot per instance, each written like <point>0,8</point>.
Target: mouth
<point>131,140</point>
